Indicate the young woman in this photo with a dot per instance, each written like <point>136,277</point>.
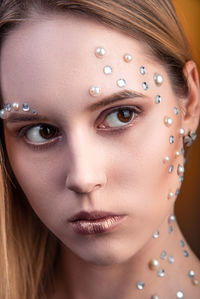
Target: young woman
<point>98,101</point>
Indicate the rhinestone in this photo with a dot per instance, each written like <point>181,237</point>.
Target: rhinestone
<point>25,107</point>
<point>107,70</point>
<point>195,281</point>
<point>176,111</point>
<point>182,151</point>
<point>181,179</point>
<point>128,58</point>
<point>95,91</point>
<point>179,294</point>
<point>185,253</point>
<point>154,297</point>
<point>171,139</point>
<point>121,83</point>
<point>156,235</point>
<point>171,169</point>
<point>182,243</point>
<point>168,121</point>
<point>163,255</point>
<point>158,99</point>
<point>170,229</point>
<point>140,285</point>
<point>177,154</point>
<point>172,218</point>
<point>182,131</point>
<point>34,112</point>
<point>171,259</point>
<point>15,106</point>
<point>158,79</point>
<point>145,85</point>
<point>153,264</point>
<point>171,195</point>
<point>191,274</point>
<point>166,159</point>
<point>180,170</point>
<point>161,273</point>
<point>178,191</point>
<point>8,107</point>
<point>100,52</point>
<point>3,114</point>
<point>143,70</point>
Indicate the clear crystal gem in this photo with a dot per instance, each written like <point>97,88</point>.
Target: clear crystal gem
<point>156,235</point>
<point>185,253</point>
<point>171,259</point>
<point>158,99</point>
<point>8,107</point>
<point>181,179</point>
<point>176,111</point>
<point>163,255</point>
<point>25,107</point>
<point>170,229</point>
<point>107,70</point>
<point>171,169</point>
<point>178,191</point>
<point>145,85</point>
<point>179,294</point>
<point>143,70</point>
<point>171,139</point>
<point>182,243</point>
<point>121,83</point>
<point>140,285</point>
<point>191,273</point>
<point>161,273</point>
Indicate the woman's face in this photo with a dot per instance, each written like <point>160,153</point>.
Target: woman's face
<point>90,157</point>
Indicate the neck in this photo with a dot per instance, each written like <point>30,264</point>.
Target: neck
<point>80,279</point>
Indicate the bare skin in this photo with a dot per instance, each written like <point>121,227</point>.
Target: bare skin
<point>50,64</point>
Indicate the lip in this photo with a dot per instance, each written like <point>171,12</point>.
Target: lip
<point>96,222</point>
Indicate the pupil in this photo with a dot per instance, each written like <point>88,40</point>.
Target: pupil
<point>124,115</point>
<point>47,132</point>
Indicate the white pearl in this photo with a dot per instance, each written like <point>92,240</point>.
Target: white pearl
<point>177,153</point>
<point>171,195</point>
<point>166,159</point>
<point>153,264</point>
<point>158,79</point>
<point>100,52</point>
<point>128,58</point>
<point>180,170</point>
<point>182,131</point>
<point>95,91</point>
<point>168,121</point>
<point>15,106</point>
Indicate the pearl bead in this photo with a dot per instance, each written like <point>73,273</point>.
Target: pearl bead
<point>95,91</point>
<point>195,281</point>
<point>166,159</point>
<point>179,294</point>
<point>168,121</point>
<point>100,52</point>
<point>177,154</point>
<point>171,195</point>
<point>182,131</point>
<point>180,170</point>
<point>128,58</point>
<point>158,79</point>
<point>3,114</point>
<point>154,264</point>
<point>191,273</point>
<point>15,106</point>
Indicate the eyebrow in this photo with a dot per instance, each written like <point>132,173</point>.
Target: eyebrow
<point>15,117</point>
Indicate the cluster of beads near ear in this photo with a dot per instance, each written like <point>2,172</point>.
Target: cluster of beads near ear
<point>15,107</point>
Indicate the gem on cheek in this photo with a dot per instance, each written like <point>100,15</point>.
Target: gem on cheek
<point>145,85</point>
<point>143,70</point>
<point>158,99</point>
<point>158,79</point>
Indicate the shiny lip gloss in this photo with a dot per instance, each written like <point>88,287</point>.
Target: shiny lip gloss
<point>96,226</point>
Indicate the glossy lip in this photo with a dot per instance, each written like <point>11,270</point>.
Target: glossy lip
<point>93,215</point>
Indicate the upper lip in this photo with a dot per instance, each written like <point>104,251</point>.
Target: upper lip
<point>84,215</point>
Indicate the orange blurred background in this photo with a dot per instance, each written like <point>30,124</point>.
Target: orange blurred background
<point>188,204</point>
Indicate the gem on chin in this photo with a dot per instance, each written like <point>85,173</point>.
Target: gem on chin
<point>182,243</point>
<point>170,229</point>
<point>171,169</point>
<point>171,259</point>
<point>185,253</point>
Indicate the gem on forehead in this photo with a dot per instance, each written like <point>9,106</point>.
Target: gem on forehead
<point>158,99</point>
<point>128,58</point>
<point>25,107</point>
<point>34,112</point>
<point>100,52</point>
<point>95,91</point>
<point>107,70</point>
<point>145,85</point>
<point>163,255</point>
<point>8,107</point>
<point>185,253</point>
<point>161,273</point>
<point>143,70</point>
<point>154,264</point>
<point>121,83</point>
<point>15,106</point>
<point>171,259</point>
<point>158,79</point>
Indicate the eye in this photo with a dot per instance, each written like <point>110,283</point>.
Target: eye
<point>120,117</point>
<point>39,134</point>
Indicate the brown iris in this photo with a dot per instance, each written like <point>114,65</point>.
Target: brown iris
<point>47,132</point>
<point>125,115</point>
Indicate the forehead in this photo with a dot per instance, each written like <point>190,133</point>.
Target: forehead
<point>56,55</point>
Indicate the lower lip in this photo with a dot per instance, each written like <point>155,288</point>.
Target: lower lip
<point>90,227</point>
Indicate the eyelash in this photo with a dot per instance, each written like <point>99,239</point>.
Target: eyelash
<point>134,110</point>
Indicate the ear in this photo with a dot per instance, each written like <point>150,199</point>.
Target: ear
<point>192,103</point>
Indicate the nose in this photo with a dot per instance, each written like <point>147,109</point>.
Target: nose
<point>86,172</point>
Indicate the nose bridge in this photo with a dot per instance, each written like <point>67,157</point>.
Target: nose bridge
<point>86,171</point>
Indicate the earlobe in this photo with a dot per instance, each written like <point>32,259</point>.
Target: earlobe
<point>192,105</point>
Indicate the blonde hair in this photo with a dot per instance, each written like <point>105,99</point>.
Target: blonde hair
<point>28,250</point>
